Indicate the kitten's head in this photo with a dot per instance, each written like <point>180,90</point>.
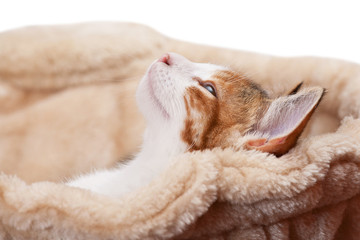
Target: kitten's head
<point>211,106</point>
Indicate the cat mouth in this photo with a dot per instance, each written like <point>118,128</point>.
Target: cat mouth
<point>153,96</point>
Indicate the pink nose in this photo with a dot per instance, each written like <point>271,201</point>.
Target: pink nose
<point>165,59</point>
<point>174,59</point>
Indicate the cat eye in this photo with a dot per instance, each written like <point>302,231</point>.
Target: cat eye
<point>208,86</point>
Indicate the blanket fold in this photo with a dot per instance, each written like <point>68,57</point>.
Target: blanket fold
<point>50,132</point>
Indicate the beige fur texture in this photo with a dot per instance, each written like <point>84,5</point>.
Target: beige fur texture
<point>67,106</point>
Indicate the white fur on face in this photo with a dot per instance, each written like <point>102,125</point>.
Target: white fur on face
<point>160,95</point>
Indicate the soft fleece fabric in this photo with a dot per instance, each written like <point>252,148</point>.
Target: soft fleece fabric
<point>67,106</point>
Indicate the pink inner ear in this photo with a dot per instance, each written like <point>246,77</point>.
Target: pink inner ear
<point>286,113</point>
<point>280,140</point>
<point>284,121</point>
<point>256,142</point>
<point>263,142</point>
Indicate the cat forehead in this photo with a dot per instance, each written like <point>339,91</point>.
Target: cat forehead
<point>207,70</point>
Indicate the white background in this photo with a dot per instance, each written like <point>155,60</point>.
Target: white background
<point>278,27</point>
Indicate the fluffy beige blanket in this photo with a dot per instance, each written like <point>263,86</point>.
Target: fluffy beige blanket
<point>67,106</point>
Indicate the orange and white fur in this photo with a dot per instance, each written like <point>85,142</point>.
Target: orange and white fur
<point>195,106</point>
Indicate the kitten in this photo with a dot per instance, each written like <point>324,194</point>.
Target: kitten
<point>195,106</point>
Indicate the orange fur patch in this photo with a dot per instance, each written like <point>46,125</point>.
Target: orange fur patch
<point>210,120</point>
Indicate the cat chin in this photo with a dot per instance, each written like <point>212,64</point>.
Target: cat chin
<point>156,90</point>
<point>154,99</point>
<point>150,106</point>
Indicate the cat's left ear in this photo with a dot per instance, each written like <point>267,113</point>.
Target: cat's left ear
<point>284,121</point>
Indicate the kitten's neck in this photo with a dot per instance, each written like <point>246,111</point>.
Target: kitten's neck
<point>160,145</point>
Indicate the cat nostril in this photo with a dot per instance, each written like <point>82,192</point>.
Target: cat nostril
<point>165,59</point>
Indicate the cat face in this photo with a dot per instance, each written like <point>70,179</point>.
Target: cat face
<point>206,106</point>
<point>204,101</point>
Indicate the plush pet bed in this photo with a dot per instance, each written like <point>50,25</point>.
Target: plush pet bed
<point>67,106</point>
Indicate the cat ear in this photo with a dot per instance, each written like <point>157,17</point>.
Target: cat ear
<point>284,121</point>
